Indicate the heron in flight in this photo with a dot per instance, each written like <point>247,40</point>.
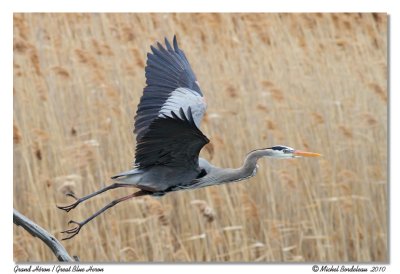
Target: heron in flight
<point>168,138</point>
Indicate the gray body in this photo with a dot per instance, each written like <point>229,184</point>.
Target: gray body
<point>160,179</point>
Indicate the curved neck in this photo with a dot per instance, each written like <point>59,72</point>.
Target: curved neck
<point>225,175</point>
<point>250,162</point>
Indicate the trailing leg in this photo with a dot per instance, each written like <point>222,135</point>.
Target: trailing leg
<point>74,231</point>
<point>80,200</point>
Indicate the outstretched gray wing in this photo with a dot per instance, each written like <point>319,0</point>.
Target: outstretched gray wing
<point>173,141</point>
<point>171,85</point>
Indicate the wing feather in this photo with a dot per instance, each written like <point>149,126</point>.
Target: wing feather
<point>173,141</point>
<point>171,85</point>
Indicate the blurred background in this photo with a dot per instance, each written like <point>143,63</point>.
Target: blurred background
<point>311,81</point>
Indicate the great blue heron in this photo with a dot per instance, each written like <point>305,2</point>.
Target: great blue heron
<point>168,138</point>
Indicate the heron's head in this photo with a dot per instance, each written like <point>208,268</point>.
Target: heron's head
<point>288,152</point>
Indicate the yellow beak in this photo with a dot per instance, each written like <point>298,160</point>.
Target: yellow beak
<point>306,153</point>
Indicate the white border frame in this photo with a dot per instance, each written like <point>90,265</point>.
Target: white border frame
<point>6,65</point>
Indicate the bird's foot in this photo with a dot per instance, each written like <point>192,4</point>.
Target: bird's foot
<point>73,231</point>
<point>71,206</point>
